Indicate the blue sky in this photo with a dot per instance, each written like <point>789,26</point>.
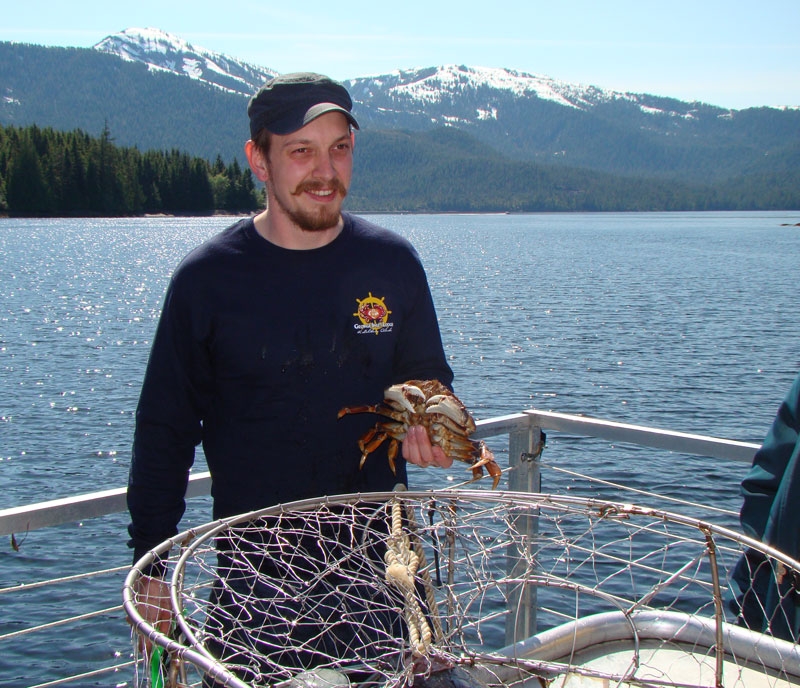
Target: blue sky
<point>734,53</point>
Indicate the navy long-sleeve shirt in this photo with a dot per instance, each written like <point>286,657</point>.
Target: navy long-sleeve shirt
<point>257,349</point>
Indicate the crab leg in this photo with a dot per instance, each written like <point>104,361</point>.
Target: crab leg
<point>405,396</point>
<point>451,410</point>
<point>378,409</point>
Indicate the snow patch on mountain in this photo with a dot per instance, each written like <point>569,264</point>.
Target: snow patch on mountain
<point>163,51</point>
<point>445,88</point>
<point>438,86</point>
<point>134,44</point>
<point>454,79</point>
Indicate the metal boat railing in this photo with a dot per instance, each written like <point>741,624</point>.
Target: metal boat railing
<point>525,431</point>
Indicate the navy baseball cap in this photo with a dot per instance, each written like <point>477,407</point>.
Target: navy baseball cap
<point>290,101</point>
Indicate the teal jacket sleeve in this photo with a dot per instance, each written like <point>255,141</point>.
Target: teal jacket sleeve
<point>769,513</point>
<point>772,486</point>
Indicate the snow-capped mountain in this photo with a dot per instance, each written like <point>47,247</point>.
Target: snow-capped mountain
<point>526,117</point>
<point>437,94</point>
<point>439,84</point>
<point>162,51</point>
<point>460,95</point>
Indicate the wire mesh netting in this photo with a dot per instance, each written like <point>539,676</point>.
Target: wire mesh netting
<point>467,588</point>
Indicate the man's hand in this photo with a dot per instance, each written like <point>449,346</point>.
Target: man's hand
<point>152,602</point>
<point>417,449</point>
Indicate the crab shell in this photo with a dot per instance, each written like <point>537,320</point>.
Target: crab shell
<point>445,418</point>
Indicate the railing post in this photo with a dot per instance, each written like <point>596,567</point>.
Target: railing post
<point>524,449</point>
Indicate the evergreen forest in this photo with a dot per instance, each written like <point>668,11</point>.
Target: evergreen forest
<point>44,172</point>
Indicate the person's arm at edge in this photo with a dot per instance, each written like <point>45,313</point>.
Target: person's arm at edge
<point>769,465</point>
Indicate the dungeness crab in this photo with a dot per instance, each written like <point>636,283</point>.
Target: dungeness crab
<point>430,404</point>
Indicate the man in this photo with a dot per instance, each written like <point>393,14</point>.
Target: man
<point>272,326</point>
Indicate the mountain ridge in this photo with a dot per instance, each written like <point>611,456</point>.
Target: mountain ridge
<point>159,50</point>
<point>523,116</point>
<point>162,50</point>
<point>153,91</point>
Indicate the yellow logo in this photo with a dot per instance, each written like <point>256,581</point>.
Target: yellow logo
<point>373,316</point>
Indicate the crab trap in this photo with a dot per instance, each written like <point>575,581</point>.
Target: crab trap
<point>469,589</point>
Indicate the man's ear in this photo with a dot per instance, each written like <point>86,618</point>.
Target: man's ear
<point>257,161</point>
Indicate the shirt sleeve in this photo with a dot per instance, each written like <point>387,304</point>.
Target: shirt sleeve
<point>168,421</point>
<point>772,476</point>
<point>420,353</point>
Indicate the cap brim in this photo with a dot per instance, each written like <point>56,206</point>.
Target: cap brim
<point>322,108</point>
<point>294,121</point>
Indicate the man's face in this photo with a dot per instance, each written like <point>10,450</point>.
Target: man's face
<point>309,172</point>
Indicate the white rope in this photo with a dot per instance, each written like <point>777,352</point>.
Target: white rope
<point>402,564</point>
<point>425,575</point>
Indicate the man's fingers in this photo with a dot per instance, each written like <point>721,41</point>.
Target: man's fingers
<point>411,451</point>
<point>417,449</point>
<point>440,458</point>
<point>153,604</point>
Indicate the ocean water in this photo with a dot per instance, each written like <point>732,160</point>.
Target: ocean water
<point>684,321</point>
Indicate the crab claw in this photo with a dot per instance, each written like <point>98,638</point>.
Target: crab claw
<point>408,397</point>
<point>452,408</point>
<point>486,458</point>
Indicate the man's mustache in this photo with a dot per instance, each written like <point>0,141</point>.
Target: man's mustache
<point>334,184</point>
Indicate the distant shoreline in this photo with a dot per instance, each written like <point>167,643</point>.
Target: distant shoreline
<point>224,213</point>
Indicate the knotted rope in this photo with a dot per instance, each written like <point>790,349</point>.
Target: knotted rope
<point>403,561</point>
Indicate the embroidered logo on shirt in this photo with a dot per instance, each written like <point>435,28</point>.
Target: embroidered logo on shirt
<point>373,316</point>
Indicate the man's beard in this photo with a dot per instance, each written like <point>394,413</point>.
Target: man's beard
<point>319,218</point>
